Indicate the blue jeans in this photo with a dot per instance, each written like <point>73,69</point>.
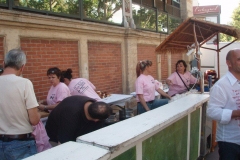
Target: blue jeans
<point>228,151</point>
<point>155,104</point>
<point>14,150</point>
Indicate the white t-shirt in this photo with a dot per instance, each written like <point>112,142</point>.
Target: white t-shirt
<point>16,97</point>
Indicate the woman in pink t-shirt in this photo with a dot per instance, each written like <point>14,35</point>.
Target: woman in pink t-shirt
<point>176,79</point>
<point>58,91</point>
<point>79,86</point>
<point>145,88</point>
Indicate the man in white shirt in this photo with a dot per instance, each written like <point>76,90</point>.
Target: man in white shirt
<point>18,109</point>
<point>224,107</point>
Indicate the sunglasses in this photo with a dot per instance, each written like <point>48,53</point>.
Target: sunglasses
<point>51,72</point>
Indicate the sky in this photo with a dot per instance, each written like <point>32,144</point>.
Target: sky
<point>227,7</point>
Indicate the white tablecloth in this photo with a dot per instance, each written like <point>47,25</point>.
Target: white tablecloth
<point>117,99</point>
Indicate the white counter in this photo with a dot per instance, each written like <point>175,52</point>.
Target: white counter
<point>114,140</point>
<point>72,151</point>
<point>126,132</point>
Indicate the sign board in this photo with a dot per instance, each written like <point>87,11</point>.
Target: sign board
<point>207,9</point>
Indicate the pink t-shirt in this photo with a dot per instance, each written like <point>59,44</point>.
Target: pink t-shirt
<point>178,87</point>
<point>57,94</point>
<point>146,85</point>
<point>83,87</point>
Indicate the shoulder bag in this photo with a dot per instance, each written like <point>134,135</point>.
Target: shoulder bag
<point>183,81</point>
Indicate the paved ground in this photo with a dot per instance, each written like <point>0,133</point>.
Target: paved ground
<point>213,155</point>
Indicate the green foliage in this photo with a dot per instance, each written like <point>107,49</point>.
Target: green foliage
<point>235,23</point>
<point>3,1</point>
<point>144,18</point>
<point>101,9</point>
<point>162,22</point>
<point>236,17</point>
<point>93,9</point>
<point>173,23</point>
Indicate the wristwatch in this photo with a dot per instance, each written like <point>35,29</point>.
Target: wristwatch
<point>45,108</point>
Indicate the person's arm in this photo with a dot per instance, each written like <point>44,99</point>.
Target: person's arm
<point>235,114</point>
<point>161,92</point>
<point>216,109</point>
<point>44,102</point>
<point>169,82</point>
<point>31,103</point>
<point>34,116</point>
<point>193,79</point>
<point>47,107</point>
<point>143,102</point>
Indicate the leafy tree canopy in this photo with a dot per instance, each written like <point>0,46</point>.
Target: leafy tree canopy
<point>235,23</point>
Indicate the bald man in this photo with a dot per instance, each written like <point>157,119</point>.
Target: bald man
<point>224,107</point>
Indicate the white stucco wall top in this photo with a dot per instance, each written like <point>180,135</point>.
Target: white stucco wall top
<point>131,130</point>
<point>72,151</point>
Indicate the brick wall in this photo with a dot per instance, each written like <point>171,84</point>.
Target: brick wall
<point>148,52</point>
<point>1,50</point>
<point>43,54</point>
<point>105,67</point>
<point>175,58</point>
<point>164,66</point>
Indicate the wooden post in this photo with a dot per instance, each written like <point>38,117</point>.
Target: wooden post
<point>214,130</point>
<point>198,57</point>
<point>218,56</point>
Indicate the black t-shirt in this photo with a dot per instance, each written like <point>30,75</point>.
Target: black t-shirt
<point>67,121</point>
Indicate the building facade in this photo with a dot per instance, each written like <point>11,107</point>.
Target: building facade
<point>100,40</point>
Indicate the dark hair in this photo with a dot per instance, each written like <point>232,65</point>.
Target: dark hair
<point>141,66</point>
<point>66,74</point>
<point>99,110</point>
<point>54,70</point>
<point>184,64</point>
<point>1,69</point>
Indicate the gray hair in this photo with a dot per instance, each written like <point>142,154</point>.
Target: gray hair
<point>15,58</point>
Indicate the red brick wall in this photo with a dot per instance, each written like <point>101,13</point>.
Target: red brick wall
<point>1,51</point>
<point>44,54</point>
<point>164,66</point>
<point>148,52</point>
<point>175,58</point>
<point>105,67</point>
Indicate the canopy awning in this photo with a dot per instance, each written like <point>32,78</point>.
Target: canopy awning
<point>184,36</point>
<point>192,34</point>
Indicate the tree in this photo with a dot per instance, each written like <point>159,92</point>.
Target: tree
<point>235,23</point>
<point>3,1</point>
<point>144,18</point>
<point>93,9</point>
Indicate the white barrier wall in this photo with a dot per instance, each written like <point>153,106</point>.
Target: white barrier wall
<point>166,132</point>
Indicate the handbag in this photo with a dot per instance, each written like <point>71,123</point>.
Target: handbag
<point>183,81</point>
